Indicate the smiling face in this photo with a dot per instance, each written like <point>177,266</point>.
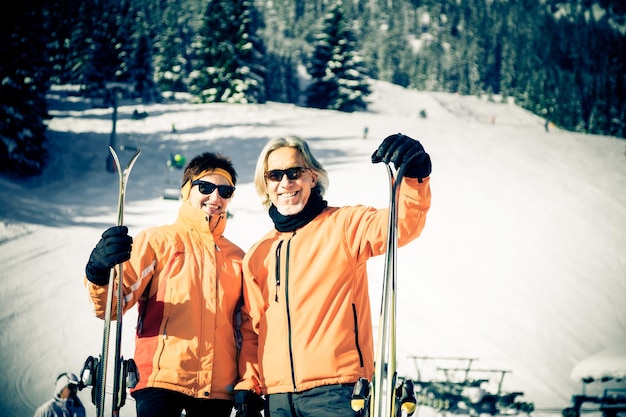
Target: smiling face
<point>213,203</point>
<point>289,196</point>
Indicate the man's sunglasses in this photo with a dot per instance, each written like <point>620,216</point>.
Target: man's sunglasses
<point>291,173</point>
<point>206,187</point>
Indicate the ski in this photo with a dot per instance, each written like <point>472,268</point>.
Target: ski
<point>384,381</point>
<point>386,397</point>
<point>124,371</point>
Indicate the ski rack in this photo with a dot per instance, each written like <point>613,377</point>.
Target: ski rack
<point>610,403</point>
<point>453,360</point>
<point>464,389</point>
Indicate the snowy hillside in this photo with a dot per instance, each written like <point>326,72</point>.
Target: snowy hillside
<point>522,264</point>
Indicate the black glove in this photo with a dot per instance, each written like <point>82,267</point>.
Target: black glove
<point>248,404</point>
<point>402,150</point>
<point>112,249</point>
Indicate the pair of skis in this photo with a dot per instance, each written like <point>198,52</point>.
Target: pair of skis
<point>385,397</point>
<point>125,374</point>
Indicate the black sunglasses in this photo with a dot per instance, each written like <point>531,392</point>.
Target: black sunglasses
<point>206,187</point>
<point>291,173</point>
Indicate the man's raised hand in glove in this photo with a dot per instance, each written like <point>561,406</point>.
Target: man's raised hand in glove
<point>403,150</point>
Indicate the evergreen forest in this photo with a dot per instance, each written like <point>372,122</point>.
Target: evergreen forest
<point>563,60</point>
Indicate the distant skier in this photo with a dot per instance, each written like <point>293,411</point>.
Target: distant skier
<point>171,189</point>
<point>65,402</point>
<point>177,160</point>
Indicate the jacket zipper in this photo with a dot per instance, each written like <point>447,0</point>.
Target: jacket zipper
<point>277,272</point>
<point>356,335</point>
<point>293,368</point>
<point>287,310</point>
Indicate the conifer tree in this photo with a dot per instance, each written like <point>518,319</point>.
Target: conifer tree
<point>141,70</point>
<point>283,51</point>
<point>25,74</point>
<point>110,47</point>
<point>67,42</point>
<point>230,58</point>
<point>174,46</point>
<point>338,76</point>
<point>281,80</point>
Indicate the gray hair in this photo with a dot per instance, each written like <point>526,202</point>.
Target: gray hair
<point>310,162</point>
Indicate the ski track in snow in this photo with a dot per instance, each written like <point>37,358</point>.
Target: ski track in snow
<point>521,265</point>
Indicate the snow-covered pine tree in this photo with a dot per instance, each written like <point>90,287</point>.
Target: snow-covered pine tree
<point>141,70</point>
<point>105,62</point>
<point>282,51</point>
<point>281,81</point>
<point>25,75</point>
<point>173,45</point>
<point>338,77</point>
<point>67,41</point>
<point>230,56</point>
<point>351,79</point>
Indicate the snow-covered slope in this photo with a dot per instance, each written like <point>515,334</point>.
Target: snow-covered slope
<point>522,263</point>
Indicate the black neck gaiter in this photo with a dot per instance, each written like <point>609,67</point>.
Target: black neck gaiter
<point>313,207</point>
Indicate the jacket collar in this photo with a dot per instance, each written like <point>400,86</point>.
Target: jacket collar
<point>314,206</point>
<point>198,220</point>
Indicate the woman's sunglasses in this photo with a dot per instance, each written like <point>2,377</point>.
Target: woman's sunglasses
<point>206,187</point>
<point>291,173</point>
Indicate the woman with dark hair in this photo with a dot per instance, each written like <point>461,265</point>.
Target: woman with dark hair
<point>187,279</point>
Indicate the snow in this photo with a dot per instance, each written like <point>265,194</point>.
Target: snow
<point>522,264</point>
<point>609,363</point>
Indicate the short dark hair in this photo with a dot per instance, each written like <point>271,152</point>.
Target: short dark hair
<point>206,162</point>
